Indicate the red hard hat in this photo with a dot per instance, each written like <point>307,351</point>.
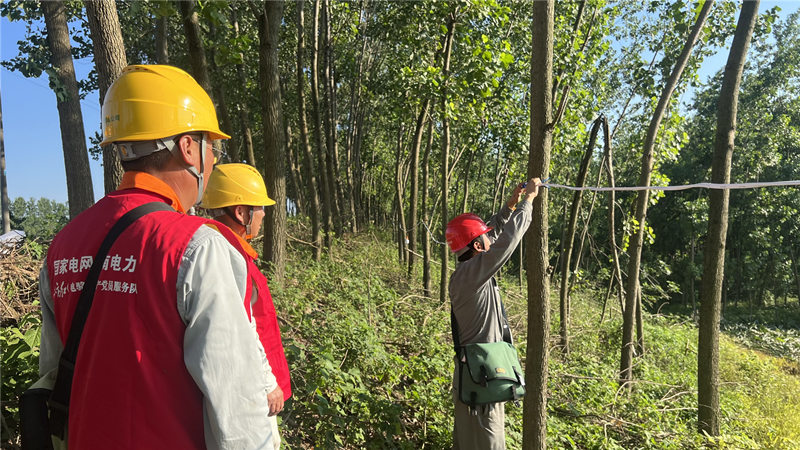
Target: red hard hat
<point>463,229</point>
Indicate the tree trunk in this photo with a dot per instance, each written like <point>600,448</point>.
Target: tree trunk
<point>445,98</point>
<point>244,117</point>
<point>76,159</point>
<point>355,107</point>
<point>220,97</point>
<point>197,54</point>
<point>609,157</point>
<point>413,220</point>
<point>794,256</point>
<point>313,191</point>
<point>637,241</point>
<point>109,58</point>
<point>4,204</point>
<point>162,40</point>
<point>274,141</point>
<point>639,324</point>
<point>426,237</point>
<point>566,254</point>
<point>331,121</point>
<point>534,412</point>
<point>327,197</point>
<point>708,414</point>
<point>402,231</point>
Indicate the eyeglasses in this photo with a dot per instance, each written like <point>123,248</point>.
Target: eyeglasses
<point>216,148</point>
<point>218,152</point>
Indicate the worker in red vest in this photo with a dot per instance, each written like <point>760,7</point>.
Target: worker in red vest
<point>168,358</point>
<point>236,196</point>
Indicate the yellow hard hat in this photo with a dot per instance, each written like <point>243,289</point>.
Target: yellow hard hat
<point>235,184</point>
<point>150,102</point>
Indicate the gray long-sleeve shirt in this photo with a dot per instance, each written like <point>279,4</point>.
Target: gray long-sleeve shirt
<point>474,295</point>
<point>211,282</point>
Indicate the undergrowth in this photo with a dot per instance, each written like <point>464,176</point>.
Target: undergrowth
<point>371,365</point>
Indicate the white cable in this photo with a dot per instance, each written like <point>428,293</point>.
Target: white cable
<point>680,187</point>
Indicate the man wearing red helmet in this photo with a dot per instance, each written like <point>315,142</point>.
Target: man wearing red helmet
<point>478,312</point>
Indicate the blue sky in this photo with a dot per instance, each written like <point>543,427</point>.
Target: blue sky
<point>34,156</point>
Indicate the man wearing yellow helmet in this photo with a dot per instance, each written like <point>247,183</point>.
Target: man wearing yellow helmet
<point>167,356</point>
<point>236,196</point>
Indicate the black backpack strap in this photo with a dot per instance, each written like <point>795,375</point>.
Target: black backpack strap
<point>59,400</point>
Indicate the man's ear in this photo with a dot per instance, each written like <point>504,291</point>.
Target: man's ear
<point>477,245</point>
<point>185,150</point>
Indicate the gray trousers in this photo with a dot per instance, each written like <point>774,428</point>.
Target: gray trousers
<point>482,428</point>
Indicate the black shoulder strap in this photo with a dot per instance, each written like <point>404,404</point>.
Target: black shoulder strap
<point>59,400</point>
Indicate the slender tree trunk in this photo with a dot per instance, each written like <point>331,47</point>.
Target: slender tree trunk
<point>76,159</point>
<point>792,252</point>
<point>355,99</point>
<point>4,204</point>
<point>269,27</point>
<point>609,158</point>
<point>194,39</point>
<point>534,412</point>
<point>708,414</point>
<point>413,219</point>
<point>637,241</point>
<point>313,191</point>
<point>426,238</point>
<point>639,324</point>
<point>566,254</point>
<point>445,98</point>
<point>244,116</point>
<point>109,58</point>
<point>324,183</point>
<point>295,175</point>
<point>221,98</point>
<point>162,39</point>
<point>331,121</point>
<point>402,230</point>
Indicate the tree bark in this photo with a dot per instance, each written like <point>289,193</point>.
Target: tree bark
<point>331,121</point>
<point>194,40</point>
<point>4,204</point>
<point>313,191</point>
<point>221,98</point>
<point>708,414</point>
<point>274,140</point>
<point>355,106</point>
<point>413,220</point>
<point>402,231</point>
<point>244,117</point>
<point>327,198</point>
<point>637,239</point>
<point>609,157</point>
<point>76,159</point>
<point>109,58</point>
<point>426,237</point>
<point>162,40</point>
<point>566,254</point>
<point>445,95</point>
<point>534,412</point>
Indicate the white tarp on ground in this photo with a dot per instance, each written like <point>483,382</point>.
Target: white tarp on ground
<point>10,241</point>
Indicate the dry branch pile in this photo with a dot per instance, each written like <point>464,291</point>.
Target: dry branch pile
<point>19,285</point>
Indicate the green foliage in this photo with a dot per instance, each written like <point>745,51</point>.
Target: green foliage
<point>370,360</point>
<point>40,219</point>
<point>20,361</point>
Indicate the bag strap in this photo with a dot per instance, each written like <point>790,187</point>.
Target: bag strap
<point>503,324</point>
<point>59,400</point>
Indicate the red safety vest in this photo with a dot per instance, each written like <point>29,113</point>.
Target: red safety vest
<point>131,389</point>
<point>263,312</point>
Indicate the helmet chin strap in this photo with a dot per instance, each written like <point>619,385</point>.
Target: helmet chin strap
<point>248,227</point>
<point>199,175</point>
